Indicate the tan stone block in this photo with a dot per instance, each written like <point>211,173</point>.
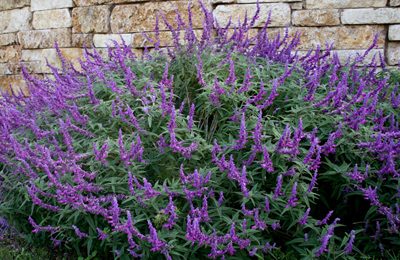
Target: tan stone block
<point>104,40</point>
<point>13,4</point>
<point>37,5</point>
<point>222,1</point>
<point>9,68</point>
<point>296,6</point>
<point>39,56</point>
<point>10,53</point>
<point>343,37</point>
<point>371,16</point>
<point>91,19</point>
<point>81,40</point>
<point>329,4</point>
<point>45,38</point>
<point>49,19</point>
<point>99,2</point>
<point>393,53</point>
<point>280,14</point>
<point>394,2</point>
<point>165,37</point>
<point>394,32</point>
<point>8,39</point>
<point>316,17</point>
<point>344,55</point>
<point>265,1</point>
<point>142,17</point>
<point>13,84</point>
<point>15,20</point>
<point>104,52</point>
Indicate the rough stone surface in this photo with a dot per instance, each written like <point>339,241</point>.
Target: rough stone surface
<point>45,38</point>
<point>296,5</point>
<point>10,54</point>
<point>345,54</point>
<point>81,40</point>
<point>316,17</point>
<point>39,57</point>
<point>280,13</point>
<point>346,37</point>
<point>11,4</point>
<point>8,39</point>
<point>394,2</point>
<point>325,4</point>
<point>222,1</point>
<point>393,53</point>
<point>166,39</point>
<point>15,20</point>
<point>91,19</point>
<point>13,84</point>
<point>142,17</point>
<point>265,1</point>
<point>102,40</point>
<point>371,16</point>
<point>10,68</point>
<point>394,32</point>
<point>99,2</point>
<point>37,5</point>
<point>49,19</point>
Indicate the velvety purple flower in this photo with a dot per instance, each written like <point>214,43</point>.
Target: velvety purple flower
<point>313,182</point>
<point>349,246</point>
<point>101,155</point>
<point>326,238</point>
<point>278,189</point>
<point>171,211</point>
<point>79,233</point>
<point>257,137</point>
<point>149,192</point>
<point>303,219</point>
<point>371,195</point>
<point>258,222</point>
<point>292,202</point>
<point>242,140</point>
<point>191,115</point>
<point>221,198</point>
<point>157,245</point>
<point>101,234</point>
<point>356,175</point>
<point>325,220</point>
<point>231,79</point>
<point>267,164</point>
<point>247,82</point>
<point>267,205</point>
<point>37,228</point>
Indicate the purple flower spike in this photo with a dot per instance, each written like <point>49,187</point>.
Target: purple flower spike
<point>241,142</point>
<point>349,246</point>
<point>293,197</point>
<point>79,233</point>
<point>303,219</point>
<point>278,189</point>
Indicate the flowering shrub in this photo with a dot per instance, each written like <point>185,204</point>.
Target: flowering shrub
<point>224,146</point>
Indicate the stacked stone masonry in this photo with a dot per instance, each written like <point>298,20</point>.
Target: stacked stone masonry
<point>29,28</point>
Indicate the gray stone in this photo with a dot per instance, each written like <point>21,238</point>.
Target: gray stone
<point>371,16</point>
<point>49,19</point>
<point>280,14</point>
<point>15,20</point>
<point>37,5</point>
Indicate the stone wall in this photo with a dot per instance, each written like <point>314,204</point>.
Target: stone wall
<point>28,28</point>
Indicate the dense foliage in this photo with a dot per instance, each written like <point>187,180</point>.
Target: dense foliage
<point>226,146</point>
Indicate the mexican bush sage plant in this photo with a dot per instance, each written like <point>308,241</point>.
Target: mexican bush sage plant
<point>224,146</point>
